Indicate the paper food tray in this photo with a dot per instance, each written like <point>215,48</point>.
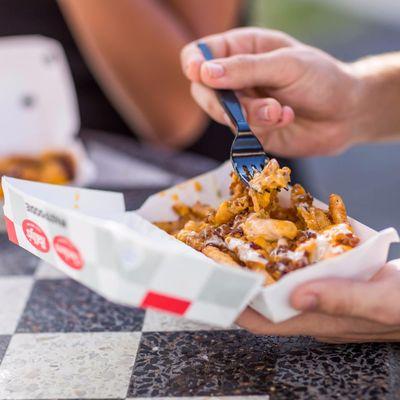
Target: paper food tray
<point>38,102</point>
<point>88,235</point>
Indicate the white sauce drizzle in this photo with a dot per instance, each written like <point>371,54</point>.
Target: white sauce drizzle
<point>324,241</point>
<point>294,256</point>
<point>244,251</point>
<point>215,240</point>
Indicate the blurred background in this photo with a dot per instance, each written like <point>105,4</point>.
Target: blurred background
<point>131,97</point>
<point>367,175</point>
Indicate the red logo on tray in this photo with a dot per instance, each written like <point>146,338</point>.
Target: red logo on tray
<point>68,252</point>
<point>35,235</point>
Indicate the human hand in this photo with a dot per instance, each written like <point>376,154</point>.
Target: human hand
<point>299,100</point>
<point>340,311</point>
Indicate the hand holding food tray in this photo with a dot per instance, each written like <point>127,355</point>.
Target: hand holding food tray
<point>126,258</point>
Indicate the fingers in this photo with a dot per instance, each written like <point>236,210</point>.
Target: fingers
<point>233,42</point>
<point>374,333</point>
<point>335,340</point>
<point>323,327</point>
<point>334,297</point>
<point>310,324</point>
<point>254,322</point>
<point>377,300</point>
<point>389,271</point>
<point>267,113</point>
<point>262,114</point>
<point>276,69</point>
<point>393,336</point>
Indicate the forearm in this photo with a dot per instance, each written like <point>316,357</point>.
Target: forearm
<point>205,17</point>
<point>378,97</point>
<point>133,49</point>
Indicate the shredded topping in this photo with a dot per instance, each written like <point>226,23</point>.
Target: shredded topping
<point>253,230</point>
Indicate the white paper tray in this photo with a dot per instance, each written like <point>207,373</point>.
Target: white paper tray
<point>38,104</point>
<point>88,235</point>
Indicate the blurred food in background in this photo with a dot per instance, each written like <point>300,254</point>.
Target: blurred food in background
<point>49,167</point>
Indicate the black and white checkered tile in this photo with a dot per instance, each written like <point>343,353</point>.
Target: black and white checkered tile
<point>59,340</point>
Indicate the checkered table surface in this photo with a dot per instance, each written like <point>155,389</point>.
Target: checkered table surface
<point>59,340</point>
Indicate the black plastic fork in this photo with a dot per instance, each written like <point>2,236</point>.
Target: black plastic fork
<point>247,154</point>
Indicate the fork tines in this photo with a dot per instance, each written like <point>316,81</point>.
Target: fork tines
<point>247,155</point>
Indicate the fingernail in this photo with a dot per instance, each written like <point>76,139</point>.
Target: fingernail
<point>307,302</point>
<point>263,113</point>
<point>214,70</point>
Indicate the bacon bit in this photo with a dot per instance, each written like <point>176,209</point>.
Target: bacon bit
<point>347,239</point>
<point>305,235</point>
<point>255,246</point>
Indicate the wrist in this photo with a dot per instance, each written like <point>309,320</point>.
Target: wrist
<point>375,98</point>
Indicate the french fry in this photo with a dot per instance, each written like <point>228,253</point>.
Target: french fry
<point>337,209</point>
<point>271,178</point>
<point>171,227</point>
<point>299,196</point>
<point>229,208</point>
<point>219,256</point>
<point>313,218</point>
<point>260,201</point>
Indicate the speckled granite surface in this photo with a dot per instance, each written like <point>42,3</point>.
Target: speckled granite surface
<point>66,306</point>
<point>9,254</point>
<point>238,363</point>
<point>4,340</point>
<point>59,340</point>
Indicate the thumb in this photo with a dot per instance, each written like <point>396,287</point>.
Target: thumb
<point>276,69</point>
<point>341,297</point>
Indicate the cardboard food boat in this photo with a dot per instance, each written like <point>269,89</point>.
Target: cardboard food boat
<point>38,103</point>
<point>122,256</point>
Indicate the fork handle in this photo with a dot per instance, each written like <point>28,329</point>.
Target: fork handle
<point>227,98</point>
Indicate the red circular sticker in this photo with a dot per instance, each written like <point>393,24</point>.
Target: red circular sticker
<point>35,235</point>
<point>68,252</point>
